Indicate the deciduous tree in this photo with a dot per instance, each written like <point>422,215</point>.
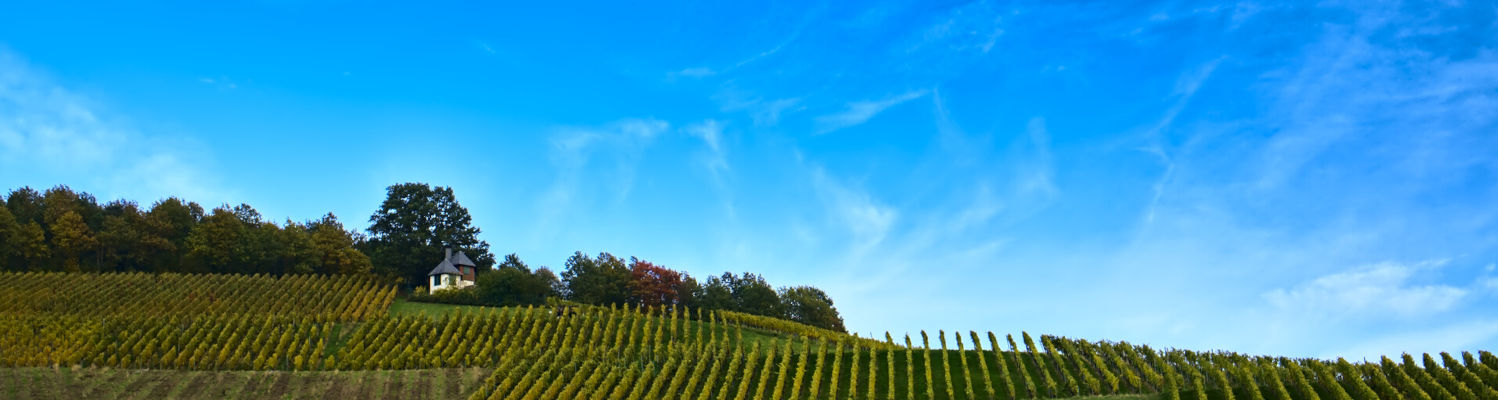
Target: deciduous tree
<point>71,238</point>
<point>604,280</point>
<point>413,225</point>
<point>811,306</point>
<point>653,285</point>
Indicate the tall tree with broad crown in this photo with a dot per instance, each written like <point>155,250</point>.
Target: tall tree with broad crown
<point>653,285</point>
<point>165,238</point>
<point>414,223</point>
<point>604,280</point>
<point>333,248</point>
<point>811,306</point>
<point>120,239</point>
<point>71,238</point>
<point>26,205</point>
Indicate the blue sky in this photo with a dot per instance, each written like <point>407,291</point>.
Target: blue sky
<point>1305,180</point>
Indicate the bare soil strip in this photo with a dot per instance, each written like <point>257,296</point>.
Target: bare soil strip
<point>187,385</point>
<point>428,385</point>
<point>161,384</point>
<point>281,386</point>
<point>342,388</point>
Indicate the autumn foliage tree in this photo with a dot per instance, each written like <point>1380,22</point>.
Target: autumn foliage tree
<point>653,285</point>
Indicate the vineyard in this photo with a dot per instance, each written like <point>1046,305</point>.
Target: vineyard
<point>318,297</point>
<point>313,323</point>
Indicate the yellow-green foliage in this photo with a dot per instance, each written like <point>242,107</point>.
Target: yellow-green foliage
<point>138,294</point>
<point>176,321</point>
<point>207,322</point>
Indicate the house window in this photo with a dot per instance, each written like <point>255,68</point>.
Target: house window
<point>434,281</point>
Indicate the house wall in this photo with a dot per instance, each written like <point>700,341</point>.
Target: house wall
<point>442,282</point>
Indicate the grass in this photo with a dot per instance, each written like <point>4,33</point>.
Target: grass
<point>65,383</point>
<point>401,307</point>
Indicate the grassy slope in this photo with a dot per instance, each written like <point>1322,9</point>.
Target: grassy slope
<point>401,307</point>
<point>103,383</point>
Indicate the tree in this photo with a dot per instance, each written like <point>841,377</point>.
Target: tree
<point>26,205</point>
<point>553,284</point>
<point>70,219</point>
<point>811,306</point>
<point>9,229</point>
<point>334,248</point>
<point>26,240</point>
<point>414,224</point>
<point>164,239</point>
<point>264,252</point>
<point>513,261</point>
<point>511,286</point>
<point>652,285</point>
<point>61,199</point>
<point>604,280</point>
<point>297,255</point>
<point>688,292</point>
<point>219,243</point>
<point>716,295</point>
<point>121,237</point>
<point>227,240</point>
<point>71,238</point>
<point>28,248</point>
<point>753,295</point>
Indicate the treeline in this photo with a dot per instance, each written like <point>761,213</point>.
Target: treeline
<point>65,230</point>
<point>610,280</point>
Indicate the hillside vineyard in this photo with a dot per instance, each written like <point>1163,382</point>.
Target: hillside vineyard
<point>237,322</point>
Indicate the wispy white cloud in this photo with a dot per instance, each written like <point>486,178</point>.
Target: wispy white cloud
<point>715,161</point>
<point>1490,283</point>
<point>768,113</point>
<point>711,133</point>
<point>1186,87</point>
<point>961,148</point>
<point>574,148</point>
<point>984,207</point>
<point>221,83</point>
<point>858,112</point>
<point>868,221</point>
<point>1037,177</point>
<point>696,72</point>
<point>482,45</point>
<point>52,135</point>
<point>972,26</point>
<point>764,112</point>
<point>1376,290</point>
<point>703,71</point>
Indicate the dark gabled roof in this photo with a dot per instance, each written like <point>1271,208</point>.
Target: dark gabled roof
<point>461,259</point>
<point>444,268</point>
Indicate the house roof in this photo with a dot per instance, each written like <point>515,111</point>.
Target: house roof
<point>444,268</point>
<point>461,259</point>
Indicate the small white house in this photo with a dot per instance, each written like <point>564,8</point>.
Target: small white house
<point>455,271</point>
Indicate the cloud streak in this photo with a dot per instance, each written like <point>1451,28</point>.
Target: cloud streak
<point>1376,290</point>
<point>574,148</point>
<point>858,112</point>
<point>52,135</point>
